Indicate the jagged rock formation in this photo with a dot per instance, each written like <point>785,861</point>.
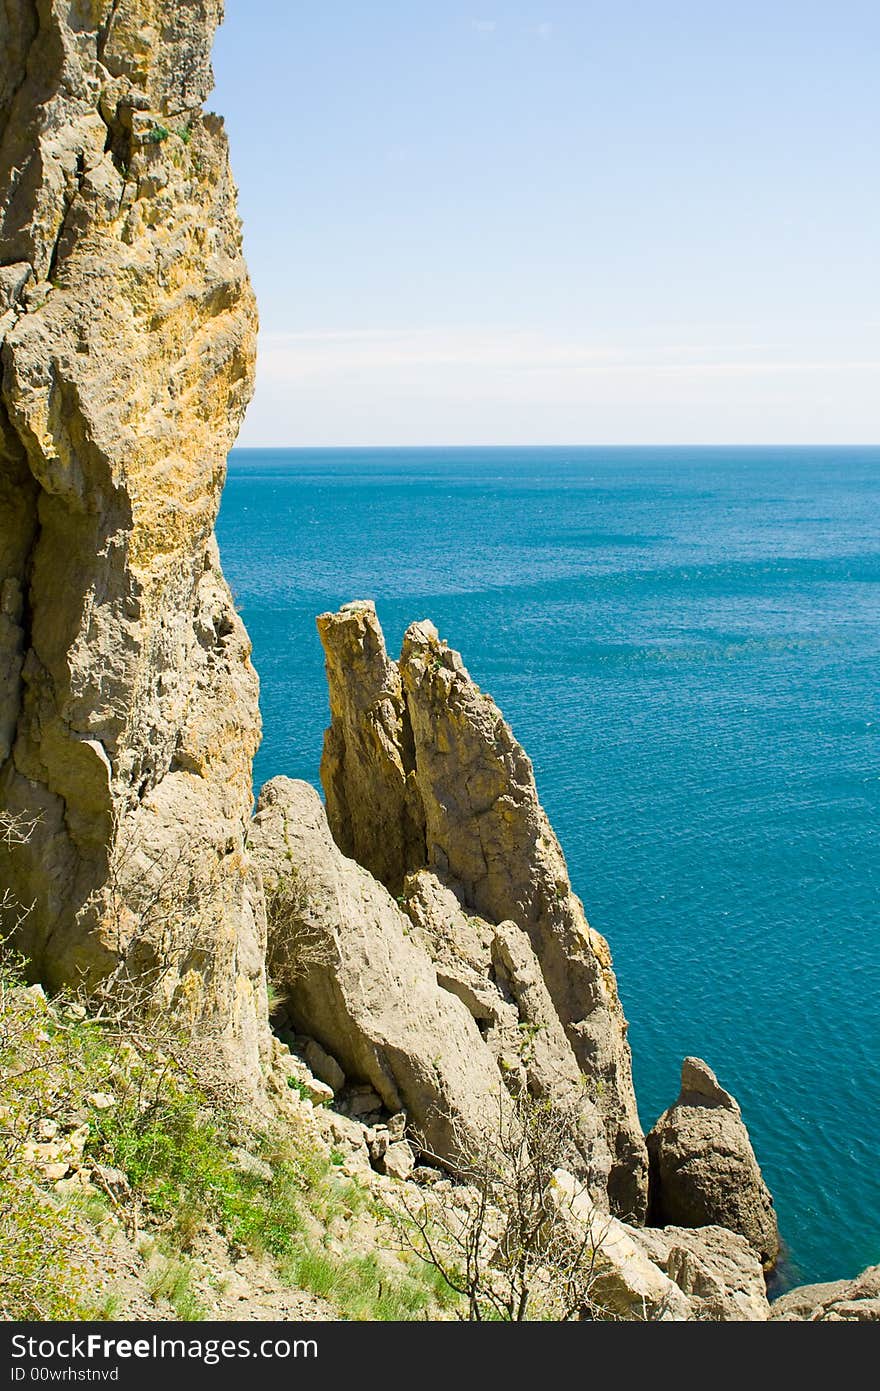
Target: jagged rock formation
<point>716,1268</point>
<point>703,1168</point>
<point>361,987</point>
<point>367,765</point>
<point>495,973</point>
<point>128,704</point>
<point>840,1301</point>
<point>710,1275</point>
<point>421,771</point>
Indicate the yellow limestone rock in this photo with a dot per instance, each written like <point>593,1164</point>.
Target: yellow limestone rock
<point>372,802</point>
<point>703,1168</point>
<point>627,1283</point>
<point>128,703</point>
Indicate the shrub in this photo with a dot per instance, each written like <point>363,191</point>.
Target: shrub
<point>502,1242</point>
<point>46,1241</point>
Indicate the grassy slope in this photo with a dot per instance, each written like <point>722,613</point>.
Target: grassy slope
<point>102,1136</point>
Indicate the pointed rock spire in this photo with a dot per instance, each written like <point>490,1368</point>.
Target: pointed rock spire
<point>421,770</point>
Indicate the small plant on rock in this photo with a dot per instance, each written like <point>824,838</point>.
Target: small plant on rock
<point>296,944</point>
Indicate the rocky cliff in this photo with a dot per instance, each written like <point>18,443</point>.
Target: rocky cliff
<point>435,960</point>
<point>128,704</point>
<point>422,773</point>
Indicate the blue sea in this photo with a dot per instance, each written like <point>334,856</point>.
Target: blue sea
<point>687,642</point>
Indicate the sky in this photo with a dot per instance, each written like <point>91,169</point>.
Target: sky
<point>626,222</point>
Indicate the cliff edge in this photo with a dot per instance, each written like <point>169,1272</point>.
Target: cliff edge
<point>128,703</point>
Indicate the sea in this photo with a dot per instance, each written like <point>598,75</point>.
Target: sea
<point>687,643</point>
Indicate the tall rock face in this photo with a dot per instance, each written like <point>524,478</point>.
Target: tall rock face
<point>128,704</point>
<point>416,747</point>
<point>367,766</point>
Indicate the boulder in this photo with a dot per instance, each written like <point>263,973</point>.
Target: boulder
<point>627,1284</point>
<point>378,1141</point>
<point>717,1269</point>
<point>290,1070</point>
<point>841,1301</point>
<point>324,1066</point>
<point>703,1168</point>
<point>363,1101</point>
<point>370,997</point>
<point>397,1127</point>
<point>398,1161</point>
<point>347,1140</point>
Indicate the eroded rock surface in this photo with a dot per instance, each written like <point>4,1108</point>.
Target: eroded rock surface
<point>128,704</point>
<point>841,1301</point>
<point>359,985</point>
<point>367,766</point>
<point>707,1275</point>
<point>717,1269</point>
<point>421,771</point>
<point>493,970</point>
<point>627,1284</point>
<point>703,1168</point>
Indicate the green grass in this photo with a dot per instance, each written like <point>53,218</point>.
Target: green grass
<point>366,1287</point>
<point>179,1162</point>
<point>175,1144</point>
<point>171,1279</point>
<point>177,1159</point>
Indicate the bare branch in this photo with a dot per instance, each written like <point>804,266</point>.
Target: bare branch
<point>16,828</point>
<point>498,1236</point>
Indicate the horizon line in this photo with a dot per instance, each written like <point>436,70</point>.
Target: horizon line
<point>661,444</point>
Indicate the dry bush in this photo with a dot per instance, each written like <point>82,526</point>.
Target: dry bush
<point>159,915</point>
<point>161,918</point>
<point>16,828</point>
<point>503,1241</point>
<point>296,944</point>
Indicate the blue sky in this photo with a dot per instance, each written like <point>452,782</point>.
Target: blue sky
<point>613,222</point>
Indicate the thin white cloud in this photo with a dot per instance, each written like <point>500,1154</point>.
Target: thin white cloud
<point>484,26</point>
<point>366,351</point>
<point>471,384</point>
<point>544,30</point>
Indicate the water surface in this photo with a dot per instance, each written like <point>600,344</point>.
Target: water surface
<point>686,641</point>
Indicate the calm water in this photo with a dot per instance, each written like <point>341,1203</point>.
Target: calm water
<point>686,642</point>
